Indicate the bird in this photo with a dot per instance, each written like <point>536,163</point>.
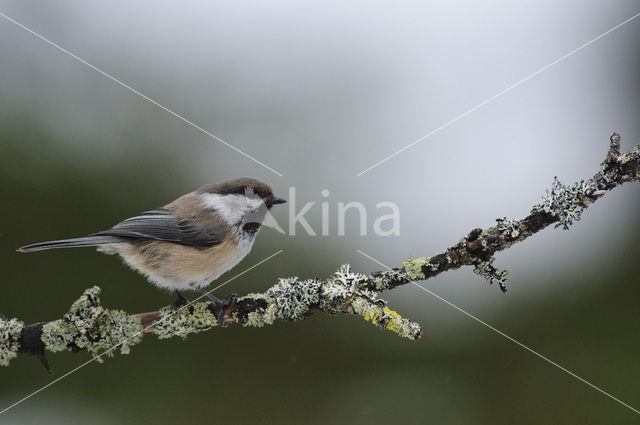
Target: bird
<point>190,242</point>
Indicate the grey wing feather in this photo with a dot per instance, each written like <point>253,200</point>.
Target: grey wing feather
<point>161,224</point>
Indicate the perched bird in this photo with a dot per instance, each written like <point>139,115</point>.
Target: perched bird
<point>189,242</point>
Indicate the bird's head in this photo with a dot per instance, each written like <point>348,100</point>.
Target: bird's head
<point>240,201</point>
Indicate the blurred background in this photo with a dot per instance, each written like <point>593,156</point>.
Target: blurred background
<point>319,92</point>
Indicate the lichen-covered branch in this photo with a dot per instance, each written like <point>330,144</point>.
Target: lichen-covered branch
<point>561,205</point>
<point>90,327</point>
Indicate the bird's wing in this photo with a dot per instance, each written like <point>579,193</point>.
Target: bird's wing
<point>161,224</point>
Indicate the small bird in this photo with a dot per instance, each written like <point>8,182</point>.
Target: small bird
<point>189,242</point>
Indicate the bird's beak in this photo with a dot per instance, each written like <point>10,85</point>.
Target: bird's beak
<point>276,201</point>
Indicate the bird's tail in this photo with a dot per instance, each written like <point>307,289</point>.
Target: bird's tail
<point>71,243</point>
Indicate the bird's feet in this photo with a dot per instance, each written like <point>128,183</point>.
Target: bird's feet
<point>220,305</point>
<point>180,302</point>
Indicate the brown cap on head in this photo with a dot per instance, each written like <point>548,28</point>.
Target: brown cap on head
<point>238,187</point>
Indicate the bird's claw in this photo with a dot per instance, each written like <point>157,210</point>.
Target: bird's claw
<point>219,307</point>
<point>180,302</point>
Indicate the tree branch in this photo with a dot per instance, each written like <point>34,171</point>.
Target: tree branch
<point>88,326</point>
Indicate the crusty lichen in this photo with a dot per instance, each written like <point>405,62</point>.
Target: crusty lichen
<point>413,267</point>
<point>58,335</point>
<point>567,202</point>
<point>194,318</point>
<point>292,299</point>
<point>262,317</point>
<point>486,269</point>
<point>10,330</point>
<point>385,279</point>
<point>123,329</point>
<point>508,227</point>
<point>89,326</point>
<point>384,317</point>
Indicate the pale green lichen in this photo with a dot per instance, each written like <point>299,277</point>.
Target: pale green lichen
<point>508,227</point>
<point>567,203</point>
<point>293,298</point>
<point>346,284</point>
<point>413,267</point>
<point>58,335</point>
<point>195,318</point>
<point>344,276</point>
<point>434,267</point>
<point>487,270</point>
<point>343,284</point>
<point>10,330</point>
<point>73,329</point>
<point>332,291</point>
<point>384,280</point>
<point>120,328</point>
<point>89,326</point>
<point>256,297</point>
<point>262,317</point>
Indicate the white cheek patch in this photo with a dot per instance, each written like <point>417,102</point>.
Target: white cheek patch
<point>232,208</point>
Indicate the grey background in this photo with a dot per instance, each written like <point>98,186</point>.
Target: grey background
<point>320,91</point>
